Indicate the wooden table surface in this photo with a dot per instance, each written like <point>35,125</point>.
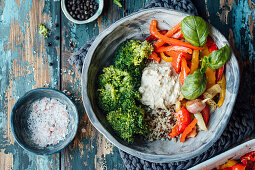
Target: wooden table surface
<point>25,58</point>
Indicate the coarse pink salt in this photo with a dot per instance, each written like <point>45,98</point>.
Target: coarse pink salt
<point>48,122</point>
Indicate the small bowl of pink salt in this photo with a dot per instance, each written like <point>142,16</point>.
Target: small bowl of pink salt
<point>44,121</point>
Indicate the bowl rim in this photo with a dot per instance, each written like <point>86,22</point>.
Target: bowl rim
<point>94,17</point>
<point>12,126</point>
<point>159,158</point>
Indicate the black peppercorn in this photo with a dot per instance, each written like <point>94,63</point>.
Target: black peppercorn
<point>51,64</point>
<point>49,44</point>
<point>57,38</point>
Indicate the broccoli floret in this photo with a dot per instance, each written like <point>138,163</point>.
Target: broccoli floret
<point>127,122</point>
<point>113,83</point>
<point>43,30</point>
<point>118,89</point>
<point>130,56</point>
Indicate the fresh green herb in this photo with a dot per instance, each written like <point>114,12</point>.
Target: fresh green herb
<point>218,58</point>
<point>117,2</point>
<point>194,85</point>
<point>118,89</point>
<point>43,30</point>
<point>194,30</point>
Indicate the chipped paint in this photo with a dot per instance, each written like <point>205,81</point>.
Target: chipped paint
<point>23,66</point>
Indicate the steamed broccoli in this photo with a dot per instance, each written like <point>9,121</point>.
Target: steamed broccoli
<point>118,89</point>
<point>130,56</point>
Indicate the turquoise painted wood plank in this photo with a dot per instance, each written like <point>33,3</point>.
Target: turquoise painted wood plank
<point>25,65</point>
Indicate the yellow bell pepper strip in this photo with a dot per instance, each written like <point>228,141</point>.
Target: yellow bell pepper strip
<point>204,52</point>
<point>210,77</point>
<point>188,129</point>
<point>174,48</point>
<point>222,84</point>
<point>159,43</point>
<point>154,31</point>
<point>155,57</point>
<point>194,61</point>
<point>165,58</point>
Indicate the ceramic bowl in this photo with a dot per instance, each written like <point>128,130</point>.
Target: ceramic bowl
<point>94,17</point>
<point>21,111</point>
<point>100,54</point>
<point>235,153</point>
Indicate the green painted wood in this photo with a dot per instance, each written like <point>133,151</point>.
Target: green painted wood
<point>23,66</point>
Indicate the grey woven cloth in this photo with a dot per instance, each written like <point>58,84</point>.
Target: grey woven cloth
<point>240,126</point>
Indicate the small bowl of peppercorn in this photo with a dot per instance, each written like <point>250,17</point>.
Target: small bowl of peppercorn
<point>82,11</point>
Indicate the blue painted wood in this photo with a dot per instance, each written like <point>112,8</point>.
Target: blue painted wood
<point>25,65</point>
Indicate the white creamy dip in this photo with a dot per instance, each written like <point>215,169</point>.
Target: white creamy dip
<point>160,86</point>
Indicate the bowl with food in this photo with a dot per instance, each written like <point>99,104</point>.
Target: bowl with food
<point>240,157</point>
<point>160,84</point>
<point>44,121</point>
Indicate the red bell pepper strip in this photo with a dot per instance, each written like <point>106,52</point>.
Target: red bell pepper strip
<point>176,61</point>
<point>188,129</point>
<point>248,157</point>
<point>175,53</point>
<point>238,167</point>
<point>183,120</point>
<point>152,38</point>
<point>154,31</point>
<point>211,44</point>
<point>159,43</point>
<point>178,35</point>
<point>155,57</point>
<point>184,70</point>
<point>174,48</point>
<point>206,114</point>
<point>219,73</point>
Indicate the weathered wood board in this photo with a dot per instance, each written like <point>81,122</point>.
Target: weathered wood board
<point>24,65</point>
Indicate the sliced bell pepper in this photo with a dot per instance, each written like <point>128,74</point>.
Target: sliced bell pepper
<point>154,31</point>
<point>210,77</point>
<point>176,62</point>
<point>219,73</point>
<point>155,57</point>
<point>174,48</point>
<point>194,61</point>
<point>228,164</point>
<point>165,58</point>
<point>238,167</point>
<point>211,44</point>
<point>188,129</point>
<point>178,35</point>
<point>193,133</point>
<point>204,52</point>
<point>183,120</point>
<point>175,53</point>
<point>184,70</point>
<point>222,84</point>
<point>159,42</point>
<point>248,157</point>
<point>152,38</point>
<point>206,114</point>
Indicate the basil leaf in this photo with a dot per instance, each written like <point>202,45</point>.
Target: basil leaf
<point>194,85</point>
<point>194,30</point>
<point>218,58</point>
